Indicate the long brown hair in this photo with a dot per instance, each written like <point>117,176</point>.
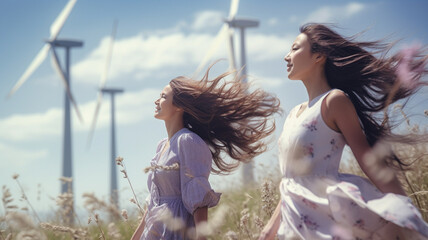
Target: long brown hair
<point>227,116</point>
<point>370,82</point>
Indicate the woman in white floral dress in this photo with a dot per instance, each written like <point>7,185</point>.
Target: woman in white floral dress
<point>346,85</point>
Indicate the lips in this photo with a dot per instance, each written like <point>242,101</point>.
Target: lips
<point>289,67</point>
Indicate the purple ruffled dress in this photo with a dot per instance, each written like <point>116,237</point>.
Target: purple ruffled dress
<point>176,193</point>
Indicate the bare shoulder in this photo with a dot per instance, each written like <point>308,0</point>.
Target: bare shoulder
<point>337,100</point>
<point>336,107</point>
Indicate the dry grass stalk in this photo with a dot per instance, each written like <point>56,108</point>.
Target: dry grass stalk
<point>172,167</point>
<point>65,202</point>
<point>19,221</point>
<point>119,161</point>
<point>93,203</point>
<point>268,200</point>
<point>9,236</point>
<point>31,235</point>
<point>24,196</point>
<point>75,233</point>
<point>113,232</point>
<point>97,221</point>
<point>7,200</point>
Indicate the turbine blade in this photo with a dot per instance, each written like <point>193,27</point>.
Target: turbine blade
<point>95,118</point>
<point>60,20</point>
<point>102,83</point>
<point>212,49</point>
<point>234,4</point>
<point>232,61</point>
<point>57,67</point>
<point>40,57</point>
<point>109,56</point>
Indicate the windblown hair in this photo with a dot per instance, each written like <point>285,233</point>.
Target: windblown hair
<point>371,82</point>
<point>227,116</point>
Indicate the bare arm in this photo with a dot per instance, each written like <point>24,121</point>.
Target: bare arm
<point>139,231</point>
<point>201,217</point>
<point>271,228</point>
<point>340,114</point>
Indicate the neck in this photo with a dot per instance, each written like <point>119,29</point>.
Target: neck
<point>316,85</point>
<point>173,126</point>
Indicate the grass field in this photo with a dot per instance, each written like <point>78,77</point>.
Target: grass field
<point>241,213</point>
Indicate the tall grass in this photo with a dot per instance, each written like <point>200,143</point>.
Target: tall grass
<point>241,213</point>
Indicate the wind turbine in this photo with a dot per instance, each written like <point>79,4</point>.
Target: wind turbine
<point>51,44</point>
<point>114,193</point>
<point>227,30</point>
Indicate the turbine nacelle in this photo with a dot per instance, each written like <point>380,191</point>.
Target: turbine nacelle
<point>65,43</point>
<point>241,22</point>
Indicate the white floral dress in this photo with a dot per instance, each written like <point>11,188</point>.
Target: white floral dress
<point>318,202</point>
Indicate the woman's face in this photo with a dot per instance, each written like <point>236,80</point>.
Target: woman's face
<point>165,109</point>
<point>300,60</point>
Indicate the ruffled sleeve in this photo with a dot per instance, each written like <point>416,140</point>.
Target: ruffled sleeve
<point>195,166</point>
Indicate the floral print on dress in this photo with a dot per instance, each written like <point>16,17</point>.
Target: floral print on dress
<point>355,192</point>
<point>309,203</point>
<point>359,223</point>
<point>312,125</point>
<point>309,223</point>
<point>333,149</point>
<point>309,150</point>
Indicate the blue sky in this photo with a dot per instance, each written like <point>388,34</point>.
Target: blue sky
<point>155,41</point>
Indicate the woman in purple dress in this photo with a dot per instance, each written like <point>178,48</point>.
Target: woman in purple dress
<point>203,119</point>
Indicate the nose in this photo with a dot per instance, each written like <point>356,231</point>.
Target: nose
<point>157,101</point>
<point>287,57</point>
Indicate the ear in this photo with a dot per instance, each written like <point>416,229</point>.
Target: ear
<point>319,57</point>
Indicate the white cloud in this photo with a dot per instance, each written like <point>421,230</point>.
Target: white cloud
<point>143,54</point>
<point>333,14</point>
<point>207,19</point>
<point>267,47</point>
<point>272,21</point>
<point>266,82</point>
<point>18,157</point>
<point>131,107</point>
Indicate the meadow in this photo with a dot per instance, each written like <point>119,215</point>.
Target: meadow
<point>241,213</point>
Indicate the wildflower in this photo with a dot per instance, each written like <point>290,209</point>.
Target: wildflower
<point>113,232</point>
<point>231,235</point>
<point>244,217</point>
<point>89,220</point>
<point>174,166</point>
<point>125,214</point>
<point>125,175</point>
<point>76,233</point>
<point>15,176</point>
<point>66,179</point>
<point>119,161</point>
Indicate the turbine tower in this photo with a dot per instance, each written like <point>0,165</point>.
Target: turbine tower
<point>227,32</point>
<point>241,23</point>
<point>51,44</point>
<point>67,166</point>
<point>114,193</point>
